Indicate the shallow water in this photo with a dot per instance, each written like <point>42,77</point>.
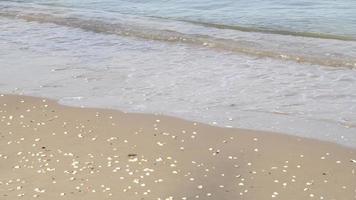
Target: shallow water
<point>279,82</point>
<point>337,17</point>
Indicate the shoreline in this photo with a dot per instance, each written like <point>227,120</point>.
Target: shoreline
<point>63,101</point>
<point>171,117</point>
<point>61,152</point>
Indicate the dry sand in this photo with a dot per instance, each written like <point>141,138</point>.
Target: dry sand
<point>49,151</point>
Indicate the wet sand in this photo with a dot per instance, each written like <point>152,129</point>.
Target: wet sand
<point>50,151</point>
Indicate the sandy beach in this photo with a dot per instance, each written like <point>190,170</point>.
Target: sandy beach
<point>177,100</point>
<point>50,151</point>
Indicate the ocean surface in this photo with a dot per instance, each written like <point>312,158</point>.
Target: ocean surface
<point>284,66</point>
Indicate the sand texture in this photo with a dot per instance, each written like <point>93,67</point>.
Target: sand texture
<point>49,151</point>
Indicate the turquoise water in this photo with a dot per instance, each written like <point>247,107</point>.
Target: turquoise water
<point>335,17</point>
<point>315,33</point>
